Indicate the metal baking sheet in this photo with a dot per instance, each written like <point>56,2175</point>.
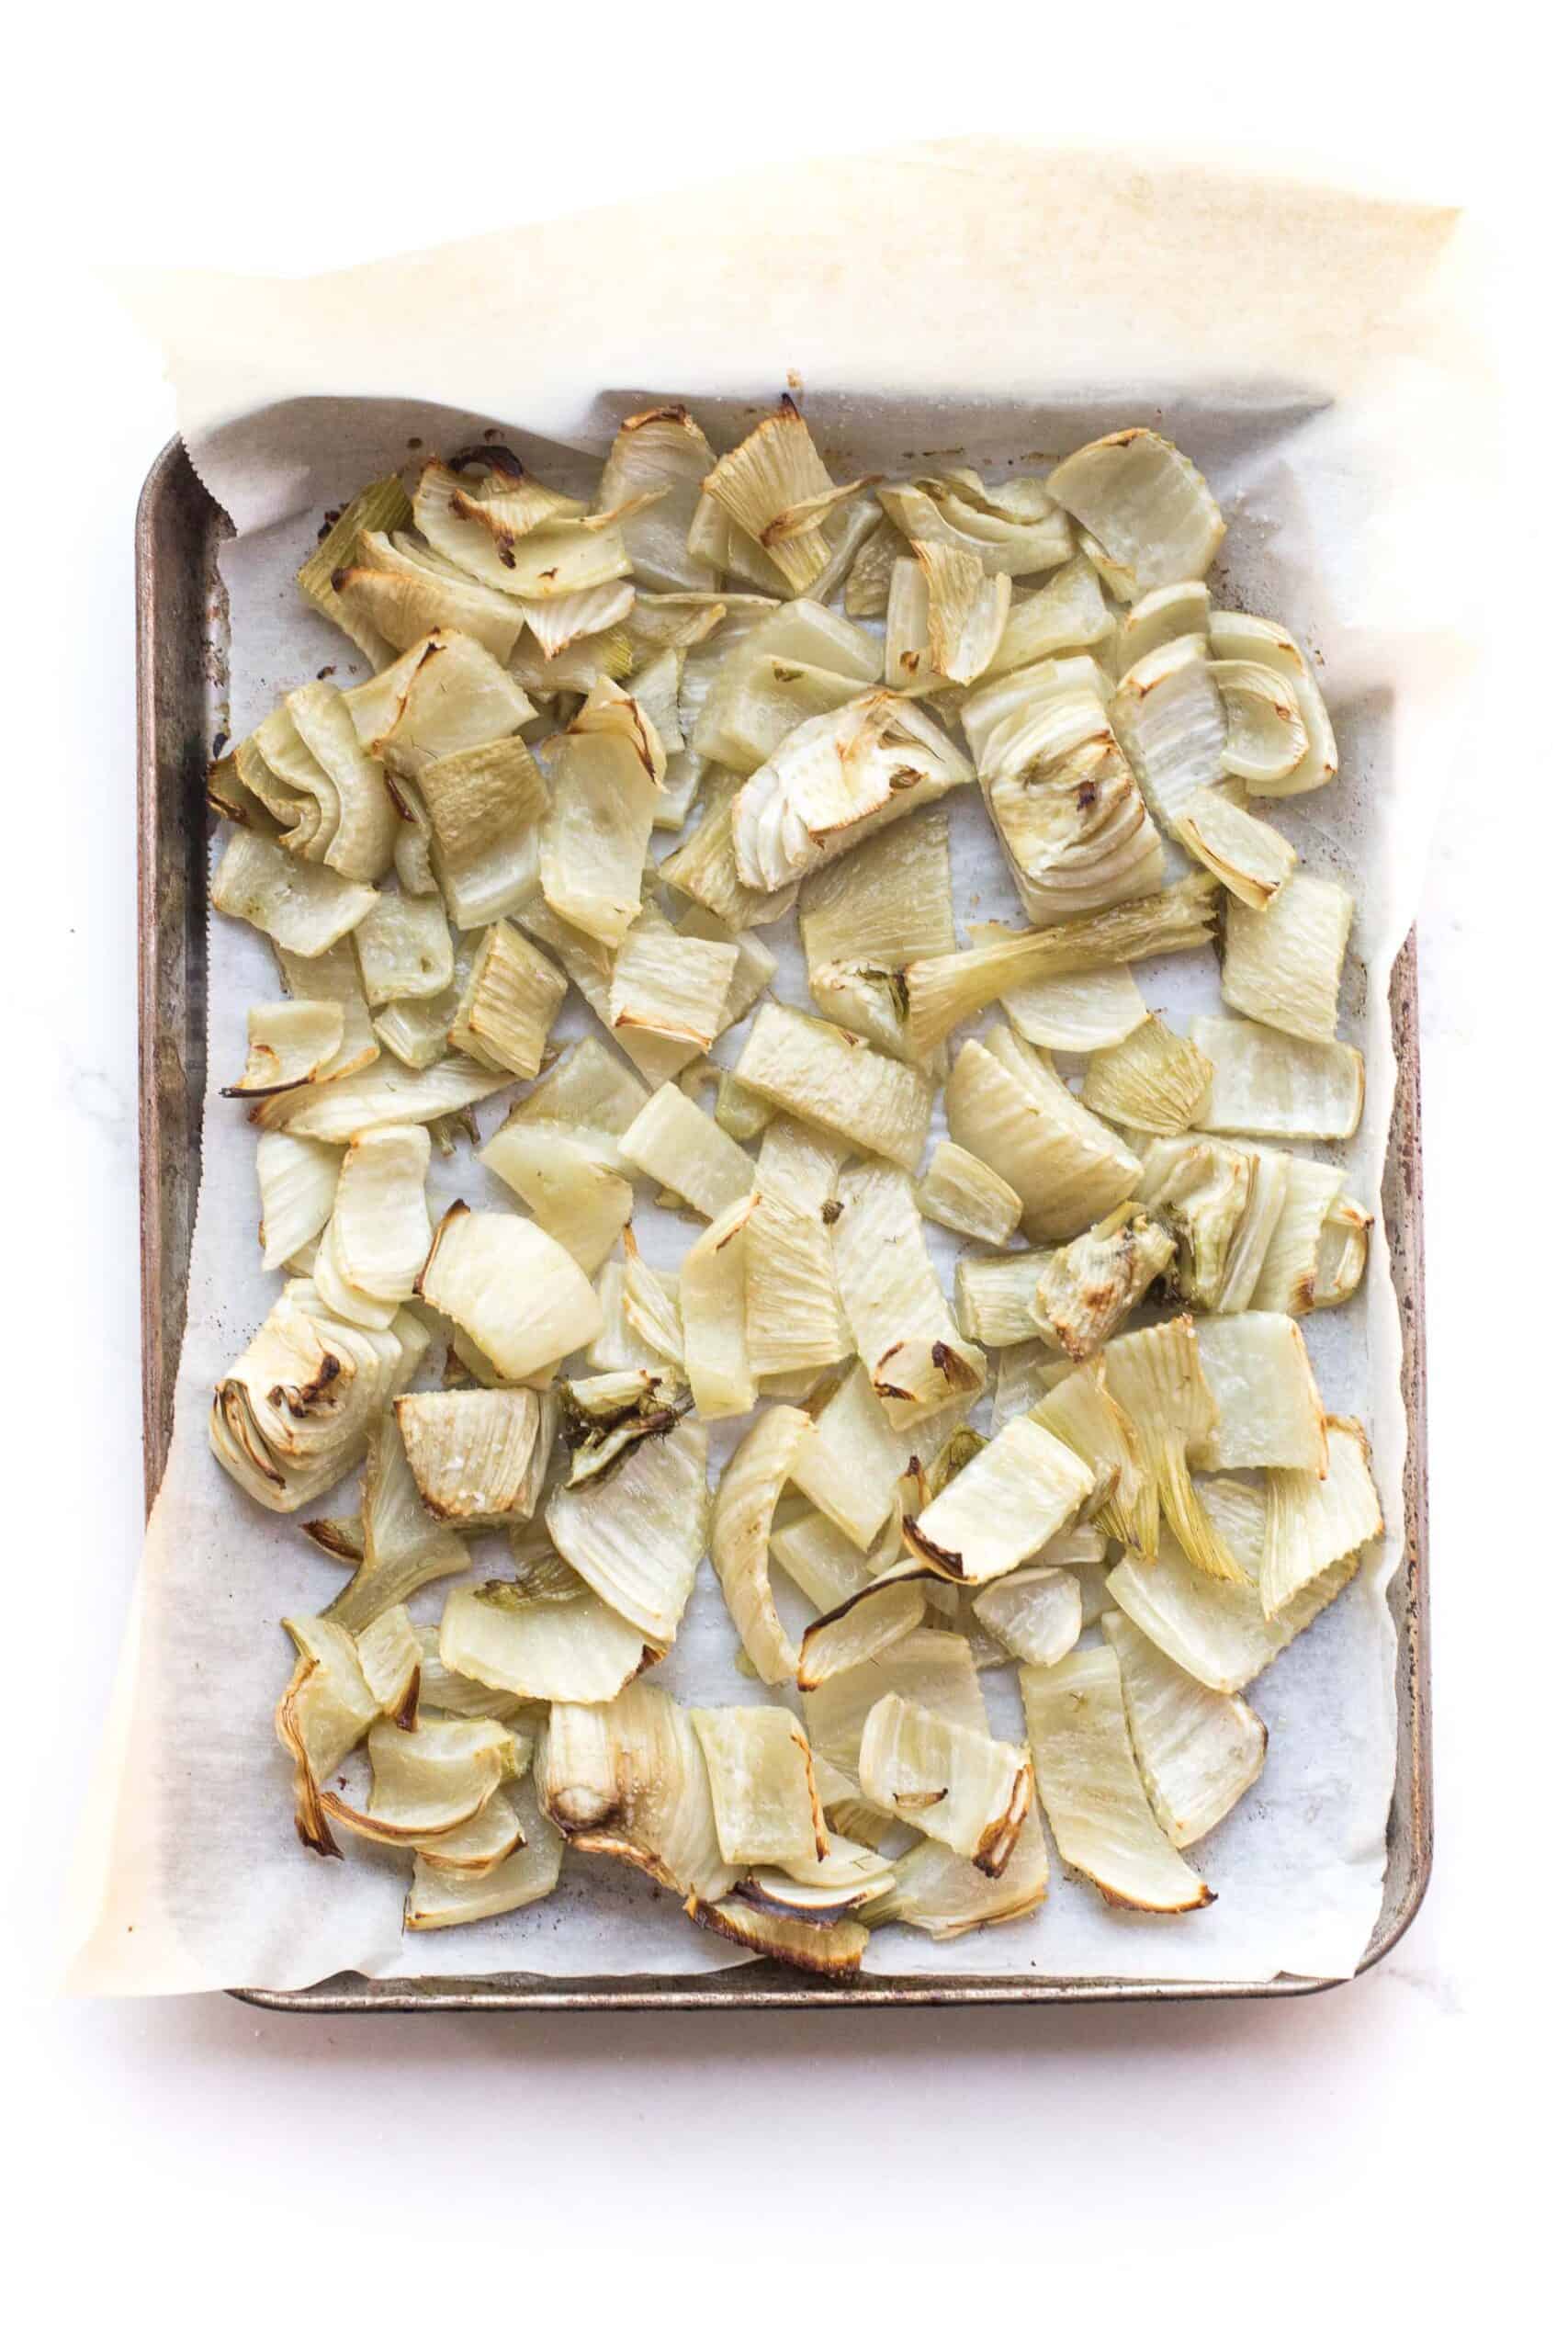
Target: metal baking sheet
<point>182,709</point>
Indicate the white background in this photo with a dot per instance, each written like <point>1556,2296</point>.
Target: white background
<point>1380,2156</point>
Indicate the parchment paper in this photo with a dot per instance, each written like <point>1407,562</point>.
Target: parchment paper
<point>1307,347</point>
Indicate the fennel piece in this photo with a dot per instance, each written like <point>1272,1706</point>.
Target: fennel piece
<point>675,986</point>
<point>637,1534</point>
<point>589,965</point>
<point>440,1896</point>
<point>298,1183</point>
<point>1013,527</point>
<point>398,591</point>
<point>764,1797</point>
<point>1241,637</point>
<point>606,1414</point>
<point>404,948</point>
<point>391,1663</point>
<point>477,1455</point>
<point>1250,858</point>
<point>484,807</point>
<point>1044,709</point>
<point>903,1328</point>
<point>1153,1081</point>
<point>1075,1012</point>
<point>868,914</point>
<point>1088,1288</point>
<point>323,1715</point>
<point>799,1164</point>
<point>961,1192</point>
<point>943,1894</point>
<point>1003,1507</point>
<point>1200,1190</point>
<point>1036,1613</point>
<point>835,779</point>
<point>832,1949</point>
<point>516,1293</point>
<point>837,1080</point>
<point>1287,1089</point>
<point>1182,609</point>
<point>302,907</point>
<point>703,867</point>
<point>1268,1414</point>
<point>605,786</point>
<point>674,1141</point>
<point>1067,613</point>
<point>1266,736</point>
<point>960,1786</point>
<point>945,990</point>
<point>1007,1106</point>
<point>414,1028</point>
<point>742,1114</point>
<point>1269,1182</point>
<point>458,1694</point>
<point>365,814</point>
<point>1282,962</point>
<point>589,1089</point>
<point>1314,1523</point>
<point>628,1780</point>
<point>798,661</point>
<point>510,532</point>
<point>334,977</point>
<point>858,1628</point>
<point>428,1780</point>
<point>994,1297</point>
<point>871,571</point>
<point>569,1647</point>
<point>385,1095</point>
<point>1170,722</point>
<point>1198,1750</point>
<point>1069,812</point>
<point>713,1314</point>
<point>288,1044</point>
<point>794,1317</point>
<point>295,1411</point>
<point>382,505</point>
<point>1216,1632</point>
<point>403,1545</point>
<point>665,452</point>
<point>824,1888</point>
<point>966,610</point>
<point>444,694</point>
<point>851,1459</point>
<point>1316,1252</point>
<point>1092,1790</point>
<point>508,1004</point>
<point>1157,1378</point>
<point>563,1175</point>
<point>933,1670</point>
<point>744,1504</point>
<point>775,489</point>
<point>381,1221</point>
<point>1145,504</point>
<point>829,1566</point>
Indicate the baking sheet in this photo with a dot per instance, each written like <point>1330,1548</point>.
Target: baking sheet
<point>1327,480</point>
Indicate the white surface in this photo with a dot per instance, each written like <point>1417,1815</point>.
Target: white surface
<point>1387,2146</point>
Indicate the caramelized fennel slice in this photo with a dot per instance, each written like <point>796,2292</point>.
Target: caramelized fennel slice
<point>1198,1751</point>
<point>960,1786</point>
<point>1091,1789</point>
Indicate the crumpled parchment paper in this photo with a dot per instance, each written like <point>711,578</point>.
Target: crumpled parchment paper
<point>1307,347</point>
